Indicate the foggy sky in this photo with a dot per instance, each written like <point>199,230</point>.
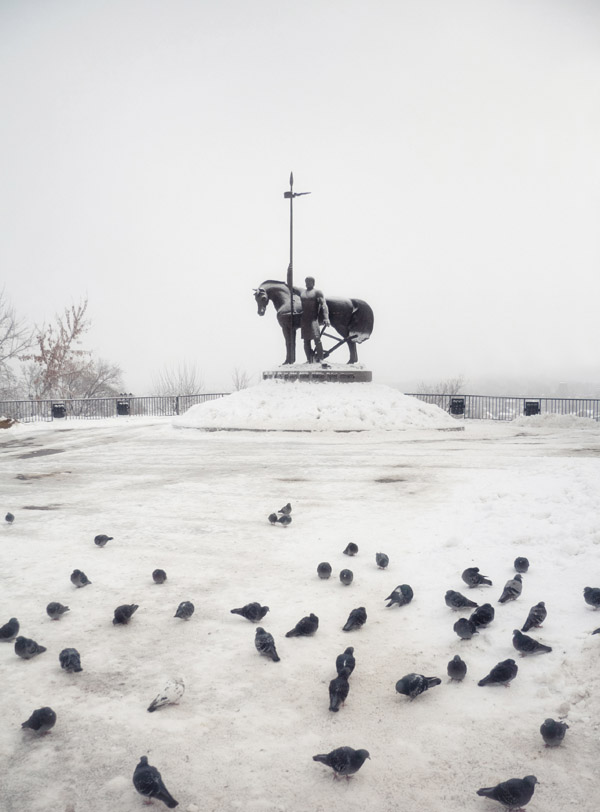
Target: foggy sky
<point>451,152</point>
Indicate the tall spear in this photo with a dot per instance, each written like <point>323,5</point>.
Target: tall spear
<point>290,274</point>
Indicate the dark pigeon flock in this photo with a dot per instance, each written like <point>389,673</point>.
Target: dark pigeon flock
<point>344,761</point>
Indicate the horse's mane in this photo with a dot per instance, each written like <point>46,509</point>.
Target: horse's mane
<point>296,289</point>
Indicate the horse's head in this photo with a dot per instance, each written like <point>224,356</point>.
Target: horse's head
<point>262,300</point>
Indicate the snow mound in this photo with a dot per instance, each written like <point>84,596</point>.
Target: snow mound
<point>276,405</point>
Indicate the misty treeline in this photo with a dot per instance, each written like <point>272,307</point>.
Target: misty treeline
<point>50,361</point>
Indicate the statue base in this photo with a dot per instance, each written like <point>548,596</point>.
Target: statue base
<point>315,373</point>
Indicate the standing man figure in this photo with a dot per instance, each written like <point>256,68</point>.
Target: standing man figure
<point>313,304</point>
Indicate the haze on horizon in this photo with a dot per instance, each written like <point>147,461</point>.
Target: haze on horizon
<point>450,151</point>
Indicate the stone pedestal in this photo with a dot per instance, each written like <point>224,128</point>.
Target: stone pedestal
<point>315,373</point>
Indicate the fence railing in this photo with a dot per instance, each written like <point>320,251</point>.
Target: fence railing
<point>471,407</point>
<point>491,407</point>
<point>28,411</point>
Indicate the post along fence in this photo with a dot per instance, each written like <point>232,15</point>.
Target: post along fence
<point>490,407</point>
<point>27,411</point>
<point>471,407</point>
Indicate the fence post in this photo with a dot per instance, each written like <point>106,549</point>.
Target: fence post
<point>176,404</point>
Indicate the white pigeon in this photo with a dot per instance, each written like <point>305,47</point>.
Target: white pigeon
<point>170,694</point>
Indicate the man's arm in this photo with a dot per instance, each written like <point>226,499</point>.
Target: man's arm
<point>324,308</point>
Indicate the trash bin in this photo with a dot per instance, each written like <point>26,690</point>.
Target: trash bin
<point>457,406</point>
<point>59,410</point>
<point>532,407</point>
<point>123,407</point>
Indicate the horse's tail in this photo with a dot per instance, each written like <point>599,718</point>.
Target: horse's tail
<point>361,321</point>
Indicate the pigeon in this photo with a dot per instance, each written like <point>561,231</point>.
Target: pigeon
<point>344,663</point>
<point>457,668</point>
<point>102,539</point>
<point>512,589</point>
<point>265,644</point>
<point>483,615</point>
<point>465,629</point>
<point>170,695</point>
<point>513,794</point>
<point>346,577</point>
<point>304,627</point>
<point>55,609</point>
<point>324,570</point>
<point>402,595</point>
<point>596,631</point>
<point>412,685</point>
<point>472,577</point>
<point>124,613</point>
<point>351,548</point>
<point>10,630</point>
<point>338,691</point>
<point>591,595</point>
<point>70,660</point>
<point>251,611</point>
<point>185,610</point>
<point>285,510</point>
<point>527,645</point>
<point>284,520</point>
<point>9,518</point>
<point>41,720</point>
<point>537,615</point>
<point>79,578</point>
<point>382,560</point>
<point>521,564</point>
<point>454,600</point>
<point>159,576</point>
<point>501,674</point>
<point>273,518</point>
<point>356,619</point>
<point>553,732</point>
<point>27,648</point>
<point>343,760</point>
<point>147,781</point>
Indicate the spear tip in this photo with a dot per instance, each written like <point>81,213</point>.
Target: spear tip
<point>291,179</point>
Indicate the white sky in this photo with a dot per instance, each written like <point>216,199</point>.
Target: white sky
<point>451,150</point>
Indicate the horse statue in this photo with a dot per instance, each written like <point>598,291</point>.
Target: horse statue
<point>351,318</point>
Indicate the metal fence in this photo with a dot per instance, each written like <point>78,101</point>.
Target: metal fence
<point>471,407</point>
<point>28,411</point>
<point>491,407</point>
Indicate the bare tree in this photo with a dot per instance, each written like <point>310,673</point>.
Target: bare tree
<point>443,389</point>
<point>15,338</point>
<point>98,379</point>
<point>183,379</point>
<point>448,386</point>
<point>60,368</point>
<point>241,379</point>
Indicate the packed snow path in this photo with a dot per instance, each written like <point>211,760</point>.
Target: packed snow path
<point>244,733</point>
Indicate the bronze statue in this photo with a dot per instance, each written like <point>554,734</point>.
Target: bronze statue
<point>351,318</point>
<point>314,311</point>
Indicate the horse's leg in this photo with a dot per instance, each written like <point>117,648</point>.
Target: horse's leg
<point>290,344</point>
<point>353,352</point>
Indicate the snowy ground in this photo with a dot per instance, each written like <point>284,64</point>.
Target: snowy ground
<point>196,503</point>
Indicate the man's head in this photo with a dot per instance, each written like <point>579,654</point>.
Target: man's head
<point>309,282</point>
